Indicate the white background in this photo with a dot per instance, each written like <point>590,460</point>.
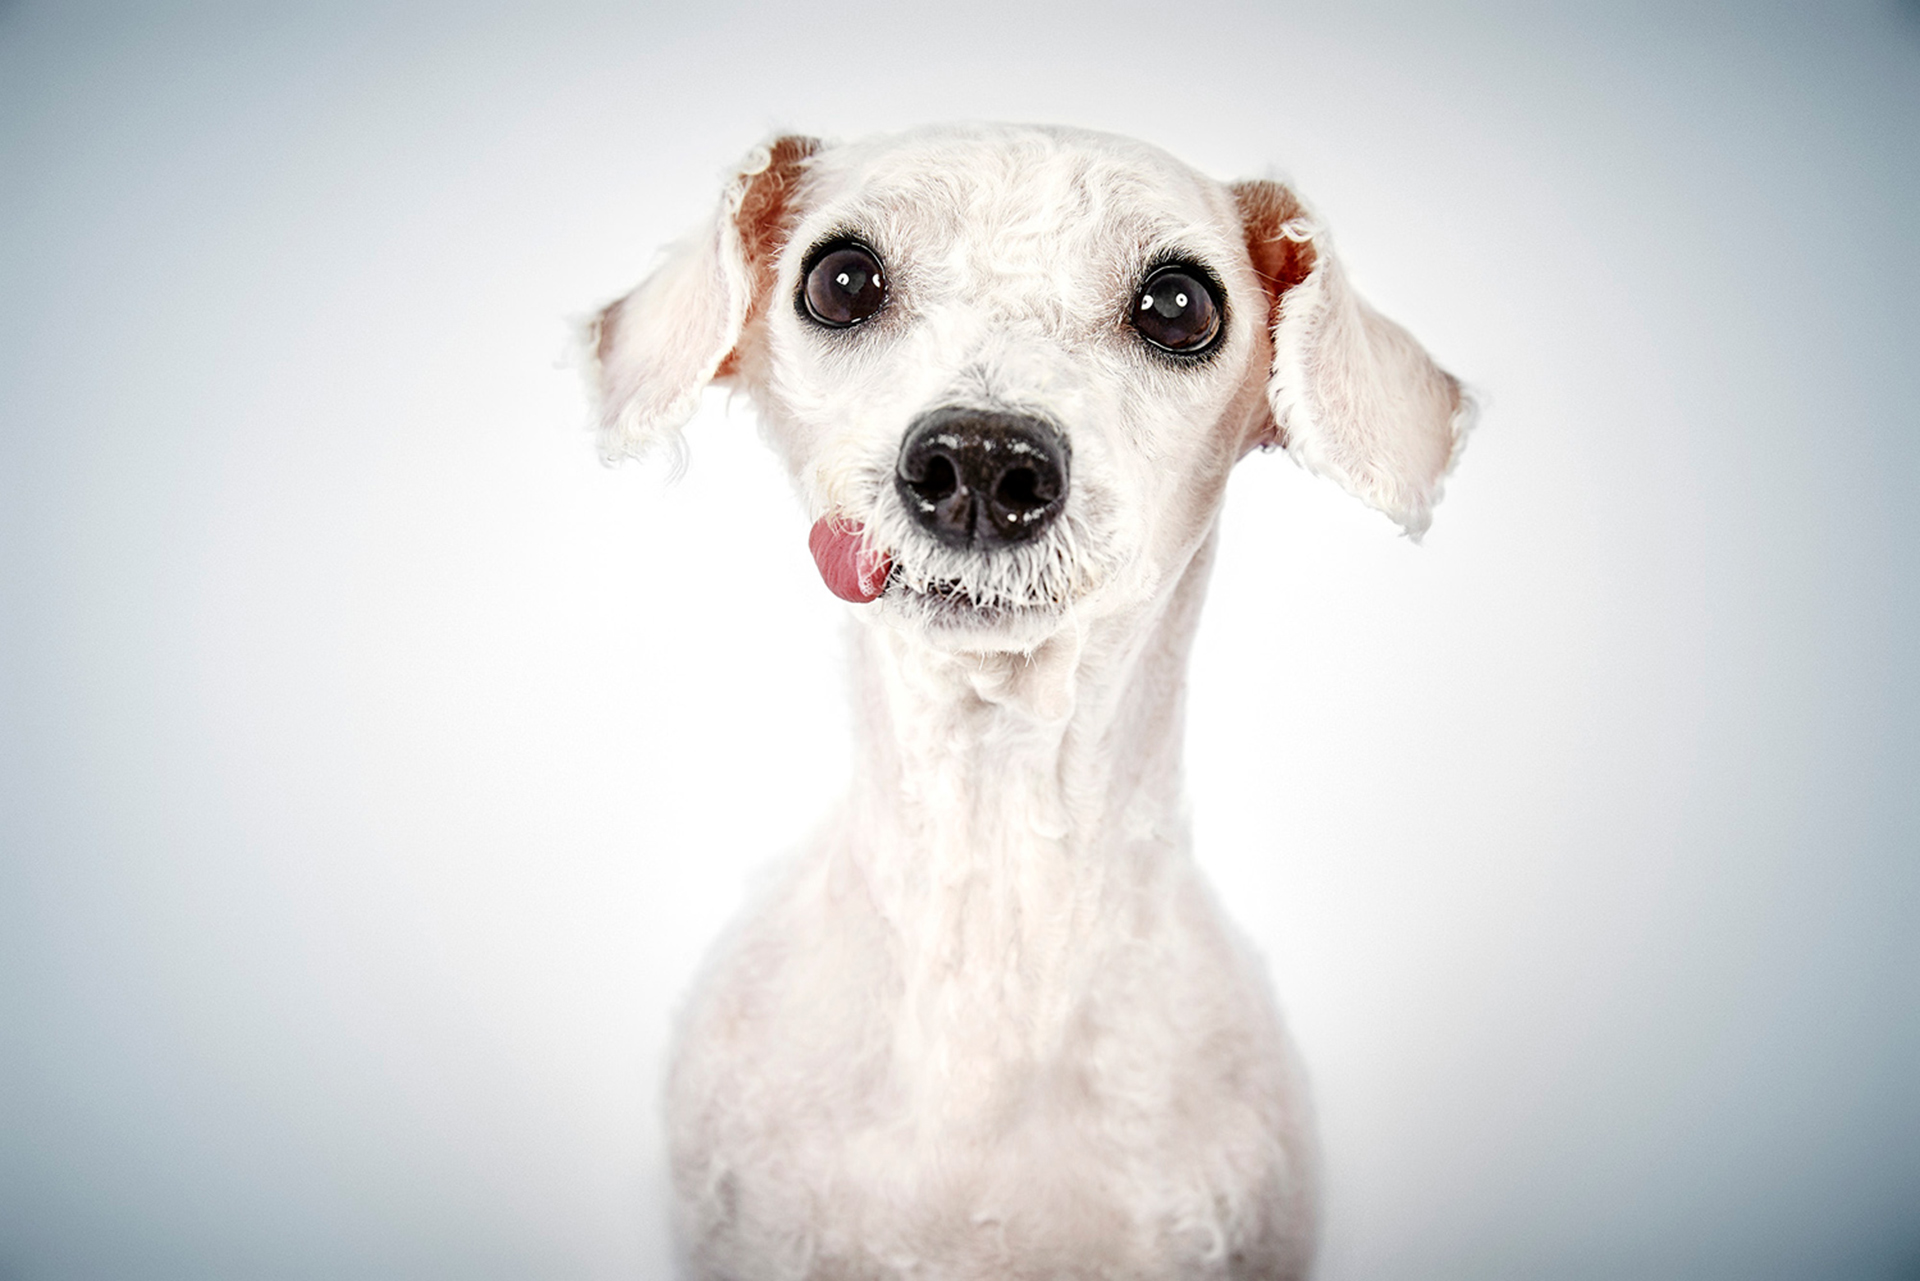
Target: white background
<point>375,766</point>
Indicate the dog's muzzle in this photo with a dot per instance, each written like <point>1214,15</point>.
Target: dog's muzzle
<point>980,479</point>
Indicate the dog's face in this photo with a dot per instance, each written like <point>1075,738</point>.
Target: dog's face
<point>1013,366</point>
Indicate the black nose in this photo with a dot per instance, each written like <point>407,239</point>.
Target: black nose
<point>977,479</point>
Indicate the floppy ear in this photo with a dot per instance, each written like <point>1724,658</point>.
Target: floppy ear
<point>1354,397</point>
<point>653,351</point>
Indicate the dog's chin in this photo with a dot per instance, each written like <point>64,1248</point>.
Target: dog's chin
<point>948,617</point>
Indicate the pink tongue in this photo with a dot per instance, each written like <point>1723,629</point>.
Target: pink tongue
<point>853,571</point>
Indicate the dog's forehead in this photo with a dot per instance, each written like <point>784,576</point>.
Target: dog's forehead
<point>1048,196</point>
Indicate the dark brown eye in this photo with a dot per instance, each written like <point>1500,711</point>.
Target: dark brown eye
<point>843,286</point>
<point>1176,309</point>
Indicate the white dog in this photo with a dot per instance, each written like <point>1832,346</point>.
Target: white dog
<point>993,1025</point>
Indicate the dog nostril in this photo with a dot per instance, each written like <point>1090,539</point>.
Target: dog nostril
<point>938,480</point>
<point>1019,490</point>
<point>1024,499</point>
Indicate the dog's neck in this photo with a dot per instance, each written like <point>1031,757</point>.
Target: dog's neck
<point>1008,810</point>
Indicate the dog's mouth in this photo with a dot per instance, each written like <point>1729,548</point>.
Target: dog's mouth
<point>943,598</point>
<point>949,603</point>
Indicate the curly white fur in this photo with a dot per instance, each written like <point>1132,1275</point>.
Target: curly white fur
<point>993,1024</point>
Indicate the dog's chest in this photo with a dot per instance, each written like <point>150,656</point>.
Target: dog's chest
<point>1107,1099</point>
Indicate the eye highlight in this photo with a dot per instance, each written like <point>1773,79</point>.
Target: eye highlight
<point>843,285</point>
<point>1177,309</point>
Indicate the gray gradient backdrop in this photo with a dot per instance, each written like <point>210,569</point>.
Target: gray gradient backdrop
<point>375,767</point>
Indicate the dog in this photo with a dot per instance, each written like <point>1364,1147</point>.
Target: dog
<point>993,1024</point>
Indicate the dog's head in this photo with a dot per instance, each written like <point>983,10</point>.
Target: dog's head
<point>1010,367</point>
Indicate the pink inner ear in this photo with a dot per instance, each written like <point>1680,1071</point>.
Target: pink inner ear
<point>852,570</point>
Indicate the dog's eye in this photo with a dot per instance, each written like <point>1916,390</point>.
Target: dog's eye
<point>1176,309</point>
<point>844,286</point>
